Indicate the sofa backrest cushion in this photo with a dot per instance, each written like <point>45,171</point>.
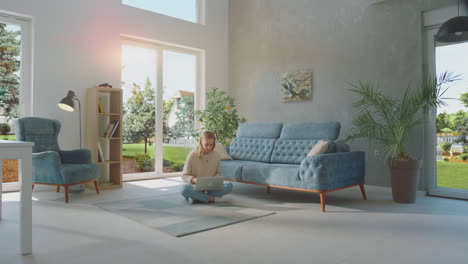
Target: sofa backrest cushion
<point>253,149</point>
<point>294,151</point>
<point>255,141</point>
<point>319,148</point>
<point>259,130</point>
<point>297,139</point>
<point>311,130</point>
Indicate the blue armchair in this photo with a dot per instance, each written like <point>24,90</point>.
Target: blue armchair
<point>52,166</point>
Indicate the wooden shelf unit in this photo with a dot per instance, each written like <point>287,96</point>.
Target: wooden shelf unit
<point>96,125</point>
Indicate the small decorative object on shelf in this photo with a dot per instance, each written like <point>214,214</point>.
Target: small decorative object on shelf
<point>103,133</point>
<point>100,153</point>
<point>101,108</point>
<point>111,128</point>
<point>105,85</point>
<point>116,125</point>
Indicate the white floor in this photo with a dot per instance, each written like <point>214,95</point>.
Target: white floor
<point>377,231</point>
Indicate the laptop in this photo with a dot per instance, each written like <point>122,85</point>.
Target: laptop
<point>214,183</point>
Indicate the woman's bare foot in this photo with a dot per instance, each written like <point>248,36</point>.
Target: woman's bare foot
<point>211,200</point>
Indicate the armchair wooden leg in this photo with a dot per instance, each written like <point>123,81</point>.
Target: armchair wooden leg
<point>322,201</point>
<point>58,188</point>
<point>66,193</point>
<point>268,189</point>
<point>33,187</point>
<point>96,185</point>
<point>363,191</point>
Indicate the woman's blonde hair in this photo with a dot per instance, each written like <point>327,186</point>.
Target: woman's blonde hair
<point>205,136</point>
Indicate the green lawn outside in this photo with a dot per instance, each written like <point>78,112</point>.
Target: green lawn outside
<point>8,137</point>
<point>175,154</point>
<point>452,175</point>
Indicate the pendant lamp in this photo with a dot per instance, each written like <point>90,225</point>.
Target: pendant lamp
<point>454,29</point>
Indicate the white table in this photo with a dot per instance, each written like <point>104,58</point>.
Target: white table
<point>23,152</point>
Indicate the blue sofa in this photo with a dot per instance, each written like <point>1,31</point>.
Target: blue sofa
<point>275,155</point>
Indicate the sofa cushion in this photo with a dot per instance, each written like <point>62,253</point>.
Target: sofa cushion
<point>222,151</point>
<point>259,130</point>
<point>294,151</point>
<point>311,130</point>
<point>319,148</point>
<point>291,151</point>
<point>232,169</point>
<point>255,141</point>
<point>253,149</point>
<point>342,147</point>
<point>286,175</point>
<point>72,173</point>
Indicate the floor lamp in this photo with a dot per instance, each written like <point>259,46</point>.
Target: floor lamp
<point>68,104</point>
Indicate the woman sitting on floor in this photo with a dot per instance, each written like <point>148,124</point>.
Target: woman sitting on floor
<point>203,162</point>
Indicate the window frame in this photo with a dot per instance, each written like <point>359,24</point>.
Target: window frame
<point>26,70</point>
<point>200,11</point>
<point>25,88</point>
<point>199,94</point>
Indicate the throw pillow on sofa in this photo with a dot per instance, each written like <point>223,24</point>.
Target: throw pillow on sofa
<point>221,150</point>
<point>320,147</point>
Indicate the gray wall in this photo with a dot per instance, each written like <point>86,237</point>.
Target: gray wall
<point>342,41</point>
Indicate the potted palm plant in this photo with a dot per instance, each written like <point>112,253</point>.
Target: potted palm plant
<point>387,121</point>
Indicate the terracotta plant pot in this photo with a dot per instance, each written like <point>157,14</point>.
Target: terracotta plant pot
<point>405,175</point>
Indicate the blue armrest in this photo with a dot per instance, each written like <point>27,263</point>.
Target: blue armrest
<point>77,156</point>
<point>46,166</point>
<point>333,170</point>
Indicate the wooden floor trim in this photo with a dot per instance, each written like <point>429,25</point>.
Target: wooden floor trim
<point>294,189</point>
<point>322,193</point>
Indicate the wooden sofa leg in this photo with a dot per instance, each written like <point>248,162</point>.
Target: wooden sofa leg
<point>363,191</point>
<point>66,193</point>
<point>322,201</point>
<point>58,188</point>
<point>96,186</point>
<point>268,190</point>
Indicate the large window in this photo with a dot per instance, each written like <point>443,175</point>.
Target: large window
<point>452,119</point>
<point>182,9</point>
<point>15,84</point>
<point>161,85</point>
<point>446,163</point>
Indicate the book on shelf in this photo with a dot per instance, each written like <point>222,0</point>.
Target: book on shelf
<point>116,125</point>
<point>109,128</point>
<point>100,106</point>
<point>100,153</point>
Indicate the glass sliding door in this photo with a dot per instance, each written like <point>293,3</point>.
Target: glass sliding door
<point>179,89</point>
<point>446,130</point>
<point>452,121</point>
<point>160,84</point>
<point>139,81</point>
<point>15,85</point>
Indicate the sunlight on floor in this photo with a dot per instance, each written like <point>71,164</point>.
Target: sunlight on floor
<point>158,183</point>
<point>14,197</point>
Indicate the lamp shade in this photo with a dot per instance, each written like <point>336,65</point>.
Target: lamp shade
<point>67,102</point>
<point>453,30</point>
